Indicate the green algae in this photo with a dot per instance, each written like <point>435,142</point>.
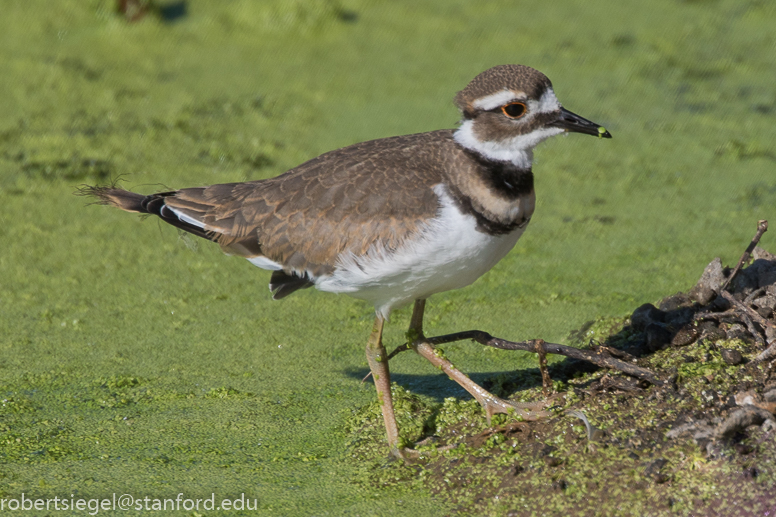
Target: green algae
<point>131,360</point>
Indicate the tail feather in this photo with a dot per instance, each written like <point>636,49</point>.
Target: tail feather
<point>120,198</point>
<point>153,204</point>
<point>191,213</point>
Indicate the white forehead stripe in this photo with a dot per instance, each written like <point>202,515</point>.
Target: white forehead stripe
<point>494,100</point>
<point>548,102</point>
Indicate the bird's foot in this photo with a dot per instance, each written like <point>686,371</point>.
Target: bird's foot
<point>404,453</point>
<point>407,454</point>
<point>489,402</point>
<point>526,410</point>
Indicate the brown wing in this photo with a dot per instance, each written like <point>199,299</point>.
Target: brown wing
<point>343,201</point>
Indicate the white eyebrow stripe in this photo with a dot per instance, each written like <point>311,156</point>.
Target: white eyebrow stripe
<point>494,100</point>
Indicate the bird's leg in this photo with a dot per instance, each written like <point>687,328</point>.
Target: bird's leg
<point>377,358</point>
<point>491,403</point>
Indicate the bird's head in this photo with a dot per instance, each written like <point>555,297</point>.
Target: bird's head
<point>509,109</point>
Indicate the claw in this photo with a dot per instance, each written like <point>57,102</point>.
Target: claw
<point>405,453</point>
<point>527,411</point>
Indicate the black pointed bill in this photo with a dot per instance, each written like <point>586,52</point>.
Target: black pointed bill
<point>573,123</point>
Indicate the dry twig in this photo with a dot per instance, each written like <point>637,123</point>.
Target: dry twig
<point>762,227</point>
<point>600,356</point>
<point>746,311</point>
<point>546,381</point>
<point>740,420</point>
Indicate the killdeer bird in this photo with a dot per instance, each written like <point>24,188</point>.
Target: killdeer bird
<point>390,221</point>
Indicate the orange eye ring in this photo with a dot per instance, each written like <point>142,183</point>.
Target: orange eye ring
<point>514,110</point>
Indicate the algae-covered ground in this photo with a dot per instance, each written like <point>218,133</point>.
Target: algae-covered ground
<point>136,360</point>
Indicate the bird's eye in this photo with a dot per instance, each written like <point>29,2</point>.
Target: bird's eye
<point>514,109</point>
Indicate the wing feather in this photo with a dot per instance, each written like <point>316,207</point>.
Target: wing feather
<point>345,201</point>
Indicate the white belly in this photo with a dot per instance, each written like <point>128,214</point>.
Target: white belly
<point>449,253</point>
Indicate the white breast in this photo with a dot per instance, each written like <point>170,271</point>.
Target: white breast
<point>449,253</point>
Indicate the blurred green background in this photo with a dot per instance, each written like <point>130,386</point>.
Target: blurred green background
<point>137,360</point>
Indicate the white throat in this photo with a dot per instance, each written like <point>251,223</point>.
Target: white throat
<point>518,149</point>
